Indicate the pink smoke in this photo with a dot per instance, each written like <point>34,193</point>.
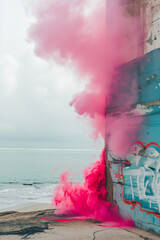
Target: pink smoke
<point>63,32</point>
<point>87,199</point>
<point>96,46</point>
<point>82,199</point>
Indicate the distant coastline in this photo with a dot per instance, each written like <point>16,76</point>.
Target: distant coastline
<point>53,149</point>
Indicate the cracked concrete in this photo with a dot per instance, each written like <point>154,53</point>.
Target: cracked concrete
<point>39,225</point>
<point>82,231</point>
<point>94,234</point>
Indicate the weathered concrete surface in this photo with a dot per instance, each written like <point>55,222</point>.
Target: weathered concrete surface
<point>29,225</point>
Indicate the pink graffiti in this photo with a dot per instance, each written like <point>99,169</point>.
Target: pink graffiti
<point>118,176</point>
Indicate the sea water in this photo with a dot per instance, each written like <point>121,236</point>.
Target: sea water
<point>28,176</point>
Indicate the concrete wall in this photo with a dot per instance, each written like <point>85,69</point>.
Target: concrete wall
<point>133,178</point>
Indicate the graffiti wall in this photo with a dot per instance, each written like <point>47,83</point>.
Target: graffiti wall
<point>133,176</point>
<point>141,178</point>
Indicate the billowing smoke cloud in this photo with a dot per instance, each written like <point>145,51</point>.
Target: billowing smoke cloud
<point>64,32</point>
<point>89,198</point>
<point>95,45</point>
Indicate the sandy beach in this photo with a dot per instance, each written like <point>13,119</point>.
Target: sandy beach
<point>39,222</point>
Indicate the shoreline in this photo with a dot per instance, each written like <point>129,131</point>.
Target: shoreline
<point>28,207</point>
<point>33,207</point>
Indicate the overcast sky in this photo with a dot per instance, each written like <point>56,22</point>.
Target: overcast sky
<point>35,94</point>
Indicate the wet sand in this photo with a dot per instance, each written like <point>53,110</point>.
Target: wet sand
<point>39,222</point>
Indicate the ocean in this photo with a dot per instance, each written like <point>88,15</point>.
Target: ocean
<point>29,176</point>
